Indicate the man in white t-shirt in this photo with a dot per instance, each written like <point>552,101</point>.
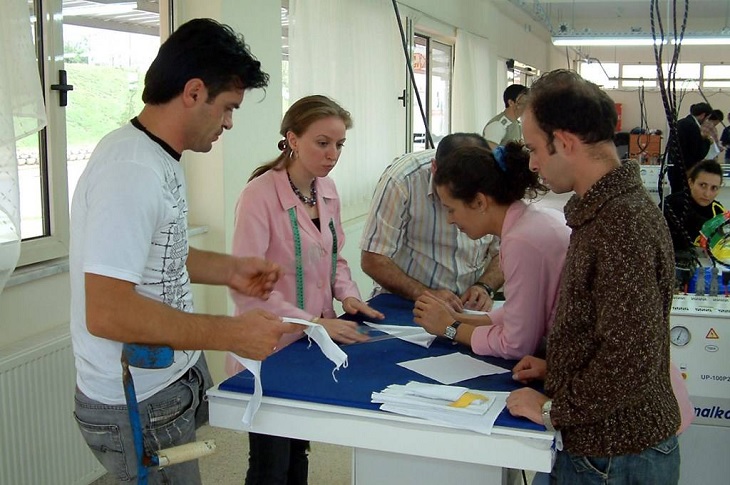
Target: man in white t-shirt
<point>131,267</point>
<point>506,127</point>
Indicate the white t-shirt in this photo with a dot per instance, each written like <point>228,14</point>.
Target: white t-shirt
<point>129,222</point>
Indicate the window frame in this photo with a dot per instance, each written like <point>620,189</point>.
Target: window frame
<point>52,140</point>
<point>49,29</point>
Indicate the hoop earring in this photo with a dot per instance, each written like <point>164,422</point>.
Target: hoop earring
<point>292,155</point>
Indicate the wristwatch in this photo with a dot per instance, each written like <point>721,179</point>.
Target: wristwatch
<point>489,289</point>
<point>450,332</point>
<point>546,408</point>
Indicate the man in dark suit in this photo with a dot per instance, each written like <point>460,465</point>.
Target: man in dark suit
<point>693,146</point>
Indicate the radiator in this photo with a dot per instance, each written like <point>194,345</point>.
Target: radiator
<point>40,443</point>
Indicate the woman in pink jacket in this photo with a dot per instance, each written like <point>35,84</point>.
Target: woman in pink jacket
<point>289,213</point>
<point>484,192</point>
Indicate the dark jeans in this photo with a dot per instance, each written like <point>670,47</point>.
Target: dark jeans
<point>169,418</point>
<point>657,465</point>
<point>273,460</point>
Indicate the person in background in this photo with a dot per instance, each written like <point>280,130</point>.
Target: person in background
<point>688,210</point>
<point>607,372</point>
<point>709,130</point>
<point>131,267</point>
<point>506,127</point>
<point>409,247</point>
<point>725,140</point>
<point>692,145</point>
<point>289,213</point>
<point>484,193</point>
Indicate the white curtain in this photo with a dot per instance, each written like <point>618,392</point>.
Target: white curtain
<point>350,51</point>
<point>21,113</point>
<point>474,100</point>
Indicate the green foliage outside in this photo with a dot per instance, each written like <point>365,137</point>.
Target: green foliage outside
<point>103,99</point>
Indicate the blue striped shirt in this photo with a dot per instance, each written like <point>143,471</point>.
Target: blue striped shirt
<point>408,224</point>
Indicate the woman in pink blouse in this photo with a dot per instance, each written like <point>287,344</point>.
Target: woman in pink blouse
<point>484,193</point>
<point>289,213</point>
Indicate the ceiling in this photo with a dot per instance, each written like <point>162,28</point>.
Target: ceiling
<point>138,16</point>
<point>553,16</point>
<point>624,16</point>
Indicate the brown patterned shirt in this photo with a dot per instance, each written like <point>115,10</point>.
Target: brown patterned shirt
<point>608,352</point>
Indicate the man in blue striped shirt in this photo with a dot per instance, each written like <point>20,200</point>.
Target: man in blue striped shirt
<point>409,247</point>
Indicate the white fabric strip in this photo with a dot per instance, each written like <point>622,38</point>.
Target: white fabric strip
<point>315,332</point>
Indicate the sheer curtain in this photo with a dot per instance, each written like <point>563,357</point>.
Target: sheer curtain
<point>21,113</point>
<point>350,51</point>
<point>474,91</point>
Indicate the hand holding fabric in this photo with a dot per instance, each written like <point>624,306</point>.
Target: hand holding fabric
<point>342,331</point>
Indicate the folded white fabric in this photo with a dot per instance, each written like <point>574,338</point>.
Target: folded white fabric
<point>435,391</point>
<point>445,399</point>
<point>315,332</point>
<point>453,406</point>
<point>481,423</point>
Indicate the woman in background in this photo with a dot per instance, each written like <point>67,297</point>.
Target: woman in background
<point>483,192</point>
<point>688,210</point>
<point>289,213</point>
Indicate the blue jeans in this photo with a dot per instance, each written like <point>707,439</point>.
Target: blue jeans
<point>657,465</point>
<point>169,418</point>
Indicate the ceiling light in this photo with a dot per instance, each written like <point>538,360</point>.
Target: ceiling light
<point>605,40</point>
<point>637,39</point>
<point>705,40</point>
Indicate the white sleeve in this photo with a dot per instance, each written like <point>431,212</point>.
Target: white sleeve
<point>495,131</point>
<point>124,204</point>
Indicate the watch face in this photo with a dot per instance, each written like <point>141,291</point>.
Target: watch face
<point>450,332</point>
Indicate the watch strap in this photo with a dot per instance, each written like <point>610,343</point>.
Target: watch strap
<point>450,331</point>
<point>490,291</point>
<point>546,420</point>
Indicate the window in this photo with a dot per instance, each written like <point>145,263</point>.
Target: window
<point>635,75</point>
<point>602,74</point>
<point>433,66</point>
<point>102,49</point>
<point>519,73</point>
<point>717,76</point>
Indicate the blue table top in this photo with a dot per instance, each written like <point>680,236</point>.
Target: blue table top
<point>301,372</point>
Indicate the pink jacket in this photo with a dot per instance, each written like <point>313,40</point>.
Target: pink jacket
<point>263,229</point>
<point>534,243</point>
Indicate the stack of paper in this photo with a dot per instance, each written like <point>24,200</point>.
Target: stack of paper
<point>454,406</point>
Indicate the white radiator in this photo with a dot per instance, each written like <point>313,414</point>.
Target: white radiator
<point>40,443</point>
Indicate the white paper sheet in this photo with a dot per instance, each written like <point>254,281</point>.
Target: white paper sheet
<point>452,368</point>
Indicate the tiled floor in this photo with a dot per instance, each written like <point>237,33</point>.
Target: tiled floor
<point>328,464</point>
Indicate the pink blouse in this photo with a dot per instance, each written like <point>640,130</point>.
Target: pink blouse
<point>263,228</point>
<point>534,244</point>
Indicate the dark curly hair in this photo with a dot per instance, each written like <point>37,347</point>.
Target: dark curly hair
<point>469,170</point>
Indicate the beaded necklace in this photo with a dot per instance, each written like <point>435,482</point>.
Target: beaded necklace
<point>311,201</point>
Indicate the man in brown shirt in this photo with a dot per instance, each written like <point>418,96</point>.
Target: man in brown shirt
<point>607,383</point>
